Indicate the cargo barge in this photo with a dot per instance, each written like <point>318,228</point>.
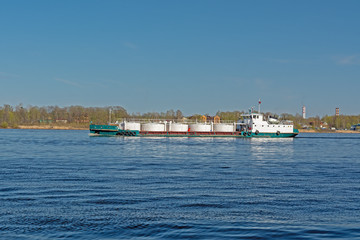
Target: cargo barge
<point>252,125</point>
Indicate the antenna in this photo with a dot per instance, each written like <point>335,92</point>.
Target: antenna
<point>259,104</point>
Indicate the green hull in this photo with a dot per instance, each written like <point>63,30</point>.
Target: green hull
<point>108,130</point>
<point>274,135</point>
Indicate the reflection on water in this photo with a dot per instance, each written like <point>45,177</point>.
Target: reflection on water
<point>272,148</point>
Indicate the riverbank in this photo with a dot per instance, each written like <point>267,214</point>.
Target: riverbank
<point>327,131</point>
<point>51,127</point>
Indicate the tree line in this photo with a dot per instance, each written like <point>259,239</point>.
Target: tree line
<point>79,116</point>
<point>76,116</point>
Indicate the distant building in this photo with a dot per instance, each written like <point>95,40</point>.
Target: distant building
<point>45,121</point>
<point>324,125</point>
<point>61,120</point>
<point>337,112</point>
<point>203,118</point>
<point>215,119</point>
<point>303,112</point>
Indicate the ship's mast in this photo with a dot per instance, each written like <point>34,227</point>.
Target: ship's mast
<point>259,104</point>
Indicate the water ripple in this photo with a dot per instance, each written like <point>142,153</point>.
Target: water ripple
<point>68,185</point>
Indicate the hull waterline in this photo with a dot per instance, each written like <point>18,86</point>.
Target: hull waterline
<point>109,130</point>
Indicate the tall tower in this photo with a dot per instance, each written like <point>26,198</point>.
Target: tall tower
<point>337,112</point>
<point>303,112</point>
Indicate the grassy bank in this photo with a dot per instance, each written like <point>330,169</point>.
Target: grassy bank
<point>50,127</point>
<point>326,131</point>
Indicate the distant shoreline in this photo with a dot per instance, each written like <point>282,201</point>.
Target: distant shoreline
<point>327,131</point>
<point>49,127</point>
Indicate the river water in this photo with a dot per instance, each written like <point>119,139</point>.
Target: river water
<point>68,185</point>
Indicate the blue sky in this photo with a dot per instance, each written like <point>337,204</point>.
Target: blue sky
<point>196,56</point>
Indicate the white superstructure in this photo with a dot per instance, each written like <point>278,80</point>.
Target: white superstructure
<point>255,123</point>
